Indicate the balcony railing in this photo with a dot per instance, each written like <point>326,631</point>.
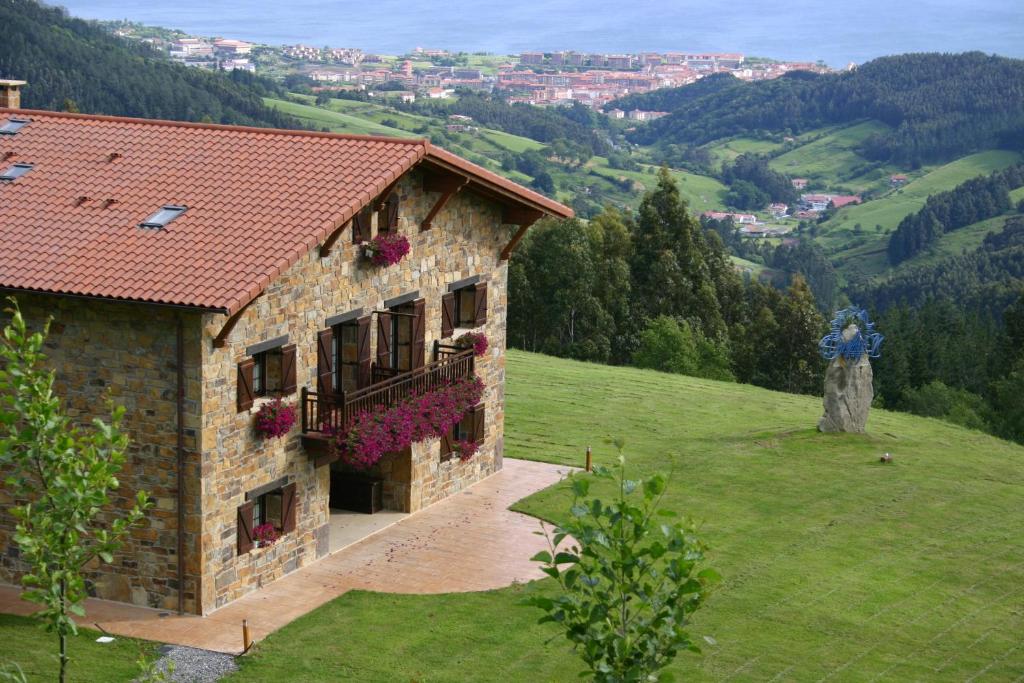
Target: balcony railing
<point>334,413</point>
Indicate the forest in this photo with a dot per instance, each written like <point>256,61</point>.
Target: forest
<point>937,106</point>
<point>954,331</point>
<point>971,201</point>
<point>72,64</point>
<point>656,289</point>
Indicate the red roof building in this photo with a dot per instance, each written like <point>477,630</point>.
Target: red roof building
<point>202,276</point>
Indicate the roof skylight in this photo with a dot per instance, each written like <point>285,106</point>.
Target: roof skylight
<point>15,171</point>
<point>13,125</point>
<point>161,218</point>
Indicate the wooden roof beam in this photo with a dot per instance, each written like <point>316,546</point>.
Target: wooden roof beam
<point>448,186</point>
<point>222,338</point>
<point>524,218</point>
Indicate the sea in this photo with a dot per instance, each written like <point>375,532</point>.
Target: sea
<point>807,30</point>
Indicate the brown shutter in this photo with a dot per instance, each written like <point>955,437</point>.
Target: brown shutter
<point>481,303</point>
<point>361,226</point>
<point>288,382</point>
<point>446,446</point>
<point>419,334</point>
<point>447,315</point>
<point>479,424</point>
<point>288,508</point>
<point>384,340</point>
<point>244,531</point>
<point>365,362</point>
<point>245,392</point>
<point>324,362</point>
<point>392,211</point>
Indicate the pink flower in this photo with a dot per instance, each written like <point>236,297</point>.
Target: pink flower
<point>274,419</point>
<point>476,340</point>
<point>386,249</point>
<point>266,534</point>
<point>420,417</point>
<point>466,450</point>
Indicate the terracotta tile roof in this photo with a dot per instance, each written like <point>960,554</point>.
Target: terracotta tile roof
<point>258,200</point>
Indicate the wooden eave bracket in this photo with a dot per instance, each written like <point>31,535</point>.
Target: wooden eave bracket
<point>524,218</point>
<point>448,186</point>
<point>325,248</point>
<point>222,338</point>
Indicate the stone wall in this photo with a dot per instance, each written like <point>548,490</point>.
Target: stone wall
<point>127,353</point>
<point>465,240</point>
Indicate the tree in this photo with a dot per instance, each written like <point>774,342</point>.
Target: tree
<point>65,475</point>
<point>801,327</point>
<point>671,346</point>
<point>629,584</point>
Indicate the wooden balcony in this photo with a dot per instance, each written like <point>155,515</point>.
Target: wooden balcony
<point>323,416</point>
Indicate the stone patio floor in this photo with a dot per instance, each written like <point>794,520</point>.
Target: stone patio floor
<point>421,553</point>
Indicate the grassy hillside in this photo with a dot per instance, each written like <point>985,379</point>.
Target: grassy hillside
<point>830,157</point>
<point>71,61</point>
<point>838,235</point>
<point>834,565</point>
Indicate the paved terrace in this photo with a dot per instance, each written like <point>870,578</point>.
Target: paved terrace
<point>417,554</point>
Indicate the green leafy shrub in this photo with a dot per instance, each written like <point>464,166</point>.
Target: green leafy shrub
<point>629,579</point>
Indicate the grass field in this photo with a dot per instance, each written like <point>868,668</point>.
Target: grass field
<point>834,566</point>
<point>35,651</point>
<point>335,121</point>
<point>837,235</point>
<point>727,150</point>
<point>831,158</point>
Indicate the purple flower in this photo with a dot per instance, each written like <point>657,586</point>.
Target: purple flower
<point>386,249</point>
<point>475,340</point>
<point>274,419</point>
<point>420,417</point>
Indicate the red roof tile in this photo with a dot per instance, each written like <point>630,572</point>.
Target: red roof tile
<point>258,200</point>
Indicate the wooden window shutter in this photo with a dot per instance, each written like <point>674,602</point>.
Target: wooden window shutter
<point>447,315</point>
<point>392,211</point>
<point>384,340</point>
<point>245,392</point>
<point>446,446</point>
<point>244,531</point>
<point>288,383</point>
<point>481,303</point>
<point>419,334</point>
<point>324,362</point>
<point>365,361</point>
<point>479,424</point>
<point>288,508</point>
<point>361,225</point>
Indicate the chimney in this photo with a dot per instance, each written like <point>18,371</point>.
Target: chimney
<point>10,94</point>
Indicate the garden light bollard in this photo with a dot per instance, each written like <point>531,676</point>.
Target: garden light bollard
<point>590,460</point>
<point>246,640</point>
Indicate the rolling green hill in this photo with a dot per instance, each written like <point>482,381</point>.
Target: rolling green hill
<point>834,565</point>
<point>838,236</point>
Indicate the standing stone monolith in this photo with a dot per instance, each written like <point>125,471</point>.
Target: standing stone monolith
<point>848,379</point>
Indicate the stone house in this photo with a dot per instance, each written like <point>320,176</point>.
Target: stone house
<point>195,272</point>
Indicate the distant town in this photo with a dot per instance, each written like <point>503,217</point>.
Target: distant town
<point>537,78</point>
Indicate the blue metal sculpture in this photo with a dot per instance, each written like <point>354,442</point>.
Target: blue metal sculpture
<point>865,340</point>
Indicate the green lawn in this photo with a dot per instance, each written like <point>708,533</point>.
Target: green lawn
<point>35,651</point>
<point>834,565</point>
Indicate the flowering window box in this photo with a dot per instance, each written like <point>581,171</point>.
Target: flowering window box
<point>386,249</point>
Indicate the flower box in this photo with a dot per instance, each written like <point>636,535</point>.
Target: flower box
<point>386,249</point>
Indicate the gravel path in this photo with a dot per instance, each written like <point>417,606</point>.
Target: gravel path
<point>192,665</point>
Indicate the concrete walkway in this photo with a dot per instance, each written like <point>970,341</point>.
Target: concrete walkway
<point>426,552</point>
